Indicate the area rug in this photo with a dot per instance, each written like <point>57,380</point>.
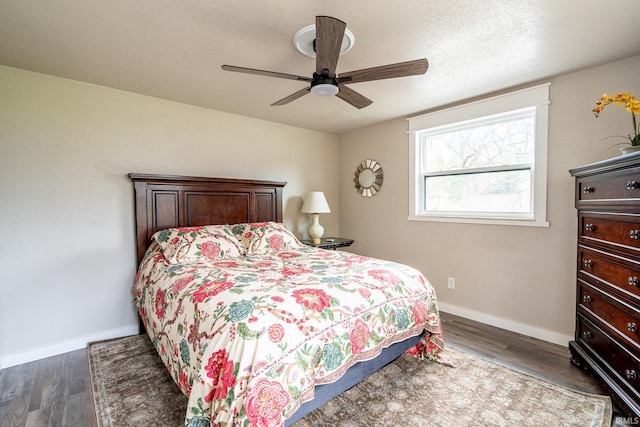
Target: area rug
<point>131,387</point>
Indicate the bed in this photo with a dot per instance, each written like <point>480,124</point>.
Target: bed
<point>255,327</point>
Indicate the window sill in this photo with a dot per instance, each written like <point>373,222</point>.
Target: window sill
<point>490,221</point>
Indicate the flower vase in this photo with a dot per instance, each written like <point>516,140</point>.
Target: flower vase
<point>629,149</point>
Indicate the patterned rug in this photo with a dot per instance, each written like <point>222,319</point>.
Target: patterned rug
<point>132,387</point>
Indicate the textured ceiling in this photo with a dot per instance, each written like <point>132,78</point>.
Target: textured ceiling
<point>173,49</point>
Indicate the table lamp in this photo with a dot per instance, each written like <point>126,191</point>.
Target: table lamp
<point>314,204</point>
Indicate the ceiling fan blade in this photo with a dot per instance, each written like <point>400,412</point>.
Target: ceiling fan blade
<point>329,35</point>
<point>401,69</point>
<point>352,97</point>
<point>265,73</point>
<point>292,97</point>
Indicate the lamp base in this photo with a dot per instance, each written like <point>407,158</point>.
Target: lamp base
<point>315,229</point>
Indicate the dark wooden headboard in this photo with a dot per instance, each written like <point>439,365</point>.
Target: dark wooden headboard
<point>166,201</point>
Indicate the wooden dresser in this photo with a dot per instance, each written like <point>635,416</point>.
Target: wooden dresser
<point>607,336</point>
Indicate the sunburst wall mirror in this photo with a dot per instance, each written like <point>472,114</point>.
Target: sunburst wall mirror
<point>368,178</point>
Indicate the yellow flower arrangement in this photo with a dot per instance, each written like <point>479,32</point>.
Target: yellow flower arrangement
<point>630,103</point>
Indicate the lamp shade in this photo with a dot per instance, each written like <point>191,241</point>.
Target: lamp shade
<point>315,202</point>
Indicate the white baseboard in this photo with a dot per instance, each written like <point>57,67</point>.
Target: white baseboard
<point>509,325</point>
<point>64,347</point>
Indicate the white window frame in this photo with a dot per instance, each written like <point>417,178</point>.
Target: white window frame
<point>536,96</point>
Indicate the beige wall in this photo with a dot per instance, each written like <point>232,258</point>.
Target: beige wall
<point>67,249</point>
<point>519,278</point>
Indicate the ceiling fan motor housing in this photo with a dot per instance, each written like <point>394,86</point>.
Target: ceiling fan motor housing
<point>323,84</point>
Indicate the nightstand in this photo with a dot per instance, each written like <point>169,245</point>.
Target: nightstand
<point>330,243</point>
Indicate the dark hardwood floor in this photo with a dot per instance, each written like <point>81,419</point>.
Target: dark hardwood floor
<point>520,352</point>
<point>57,392</point>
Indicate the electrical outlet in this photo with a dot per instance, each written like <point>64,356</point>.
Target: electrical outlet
<point>451,283</point>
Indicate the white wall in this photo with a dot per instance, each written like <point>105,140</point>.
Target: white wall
<point>518,278</point>
<point>67,251</point>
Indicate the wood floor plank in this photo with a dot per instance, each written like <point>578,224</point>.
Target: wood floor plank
<point>14,380</point>
<point>76,411</point>
<point>32,419</point>
<point>3,413</point>
<point>41,368</point>
<point>75,376</point>
<point>15,412</point>
<point>90,409</point>
<point>53,407</point>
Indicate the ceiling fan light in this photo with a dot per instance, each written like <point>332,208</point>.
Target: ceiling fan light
<point>325,89</point>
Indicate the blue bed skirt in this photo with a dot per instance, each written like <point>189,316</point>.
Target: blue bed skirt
<point>358,372</point>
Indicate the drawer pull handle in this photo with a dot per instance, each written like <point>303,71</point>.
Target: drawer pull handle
<point>587,298</point>
<point>588,189</point>
<point>630,374</point>
<point>632,327</point>
<point>587,334</point>
<point>633,281</point>
<point>589,227</point>
<point>632,185</point>
<point>634,234</point>
<point>588,263</point>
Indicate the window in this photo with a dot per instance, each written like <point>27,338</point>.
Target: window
<point>483,162</point>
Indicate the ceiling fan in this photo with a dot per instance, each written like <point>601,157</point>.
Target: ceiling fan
<point>329,34</point>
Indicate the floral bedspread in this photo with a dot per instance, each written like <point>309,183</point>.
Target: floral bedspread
<point>247,338</point>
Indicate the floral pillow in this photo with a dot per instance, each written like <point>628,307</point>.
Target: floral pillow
<point>191,244</point>
<point>264,238</point>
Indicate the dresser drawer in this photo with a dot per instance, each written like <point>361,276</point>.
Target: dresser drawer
<point>615,358</point>
<point>611,186</point>
<point>621,274</point>
<point>620,231</point>
<point>617,315</point>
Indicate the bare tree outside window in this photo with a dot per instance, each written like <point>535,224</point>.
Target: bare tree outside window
<point>481,167</point>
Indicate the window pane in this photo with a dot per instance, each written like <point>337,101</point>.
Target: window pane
<point>504,140</point>
<point>489,192</point>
